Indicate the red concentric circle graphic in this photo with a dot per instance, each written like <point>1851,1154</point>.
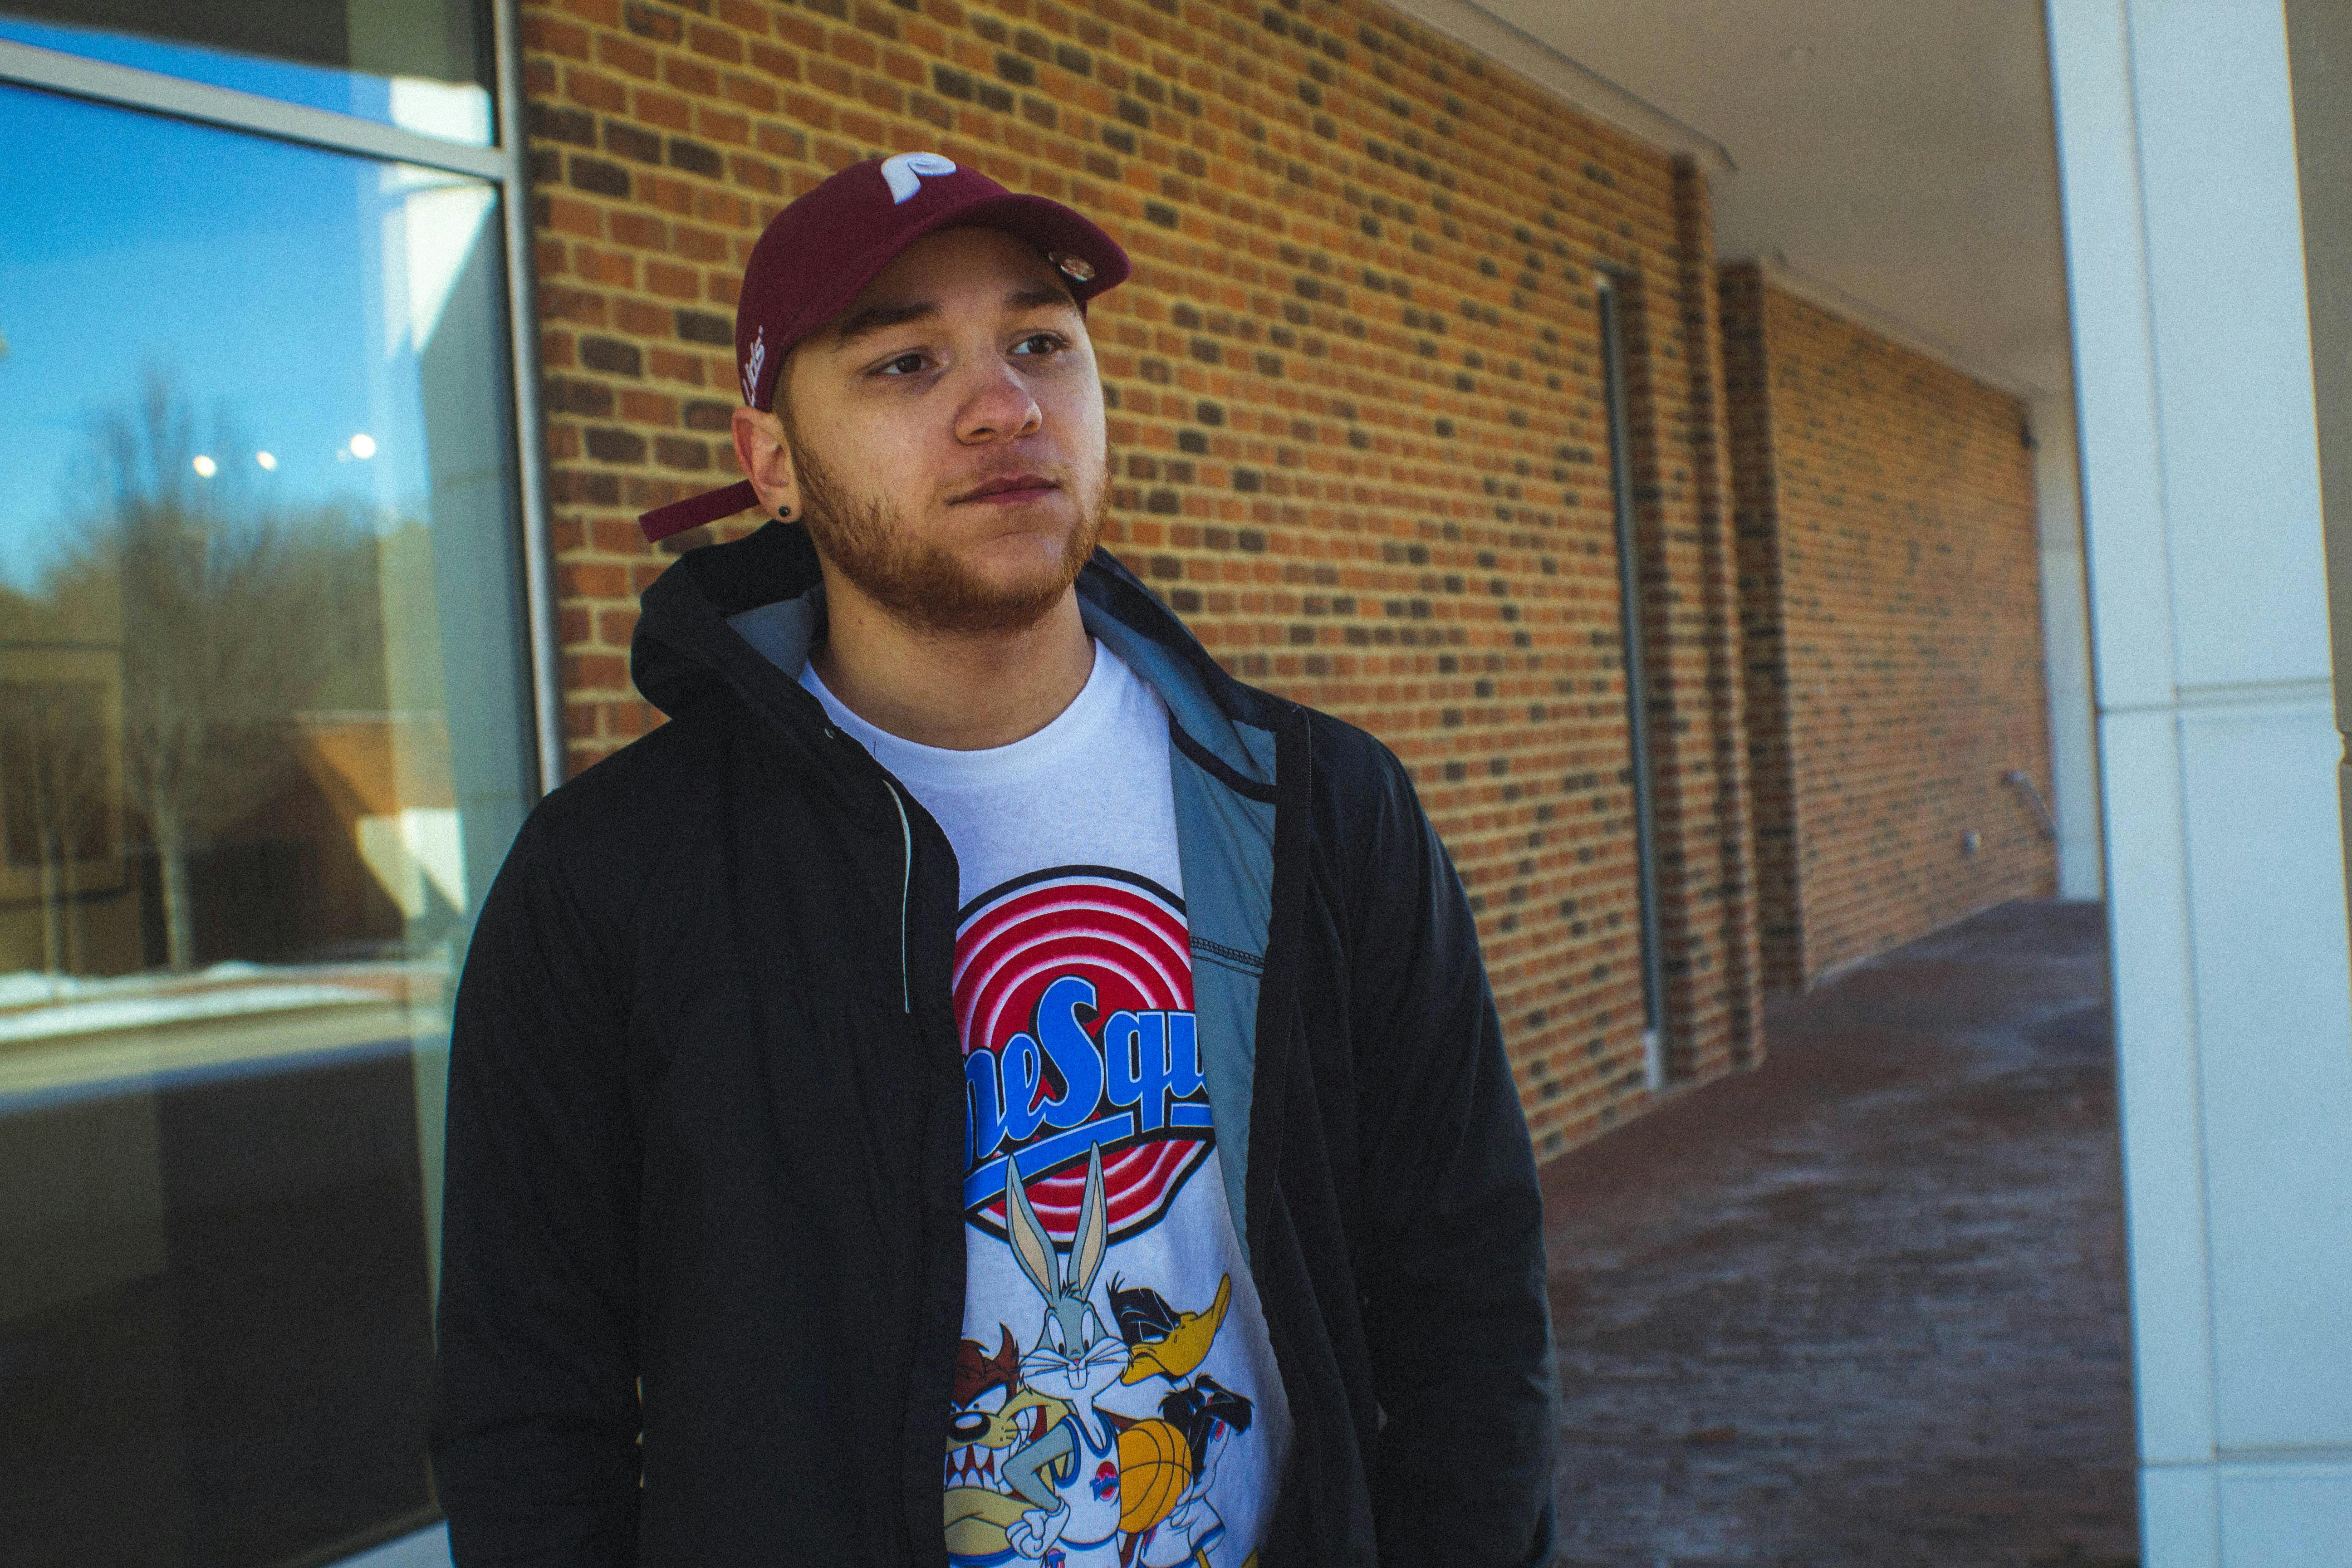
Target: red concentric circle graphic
<point>1125,937</point>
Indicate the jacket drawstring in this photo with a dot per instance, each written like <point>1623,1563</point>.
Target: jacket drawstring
<point>906,891</point>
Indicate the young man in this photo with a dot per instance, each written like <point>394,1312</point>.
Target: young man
<point>980,1085</point>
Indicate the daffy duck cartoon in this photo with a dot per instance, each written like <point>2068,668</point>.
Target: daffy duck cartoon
<point>1166,1344</point>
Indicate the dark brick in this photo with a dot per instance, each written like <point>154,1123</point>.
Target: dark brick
<point>681,452</point>
<point>612,356</point>
<point>609,445</point>
<point>1016,71</point>
<point>951,83</point>
<point>597,175</point>
<point>705,414</point>
<point>695,158</point>
<point>555,122</point>
<point>570,487</point>
<point>652,22</point>
<point>632,141</point>
<point>702,327</point>
<point>564,395</point>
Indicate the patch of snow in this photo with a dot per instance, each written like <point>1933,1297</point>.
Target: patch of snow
<point>91,1016</point>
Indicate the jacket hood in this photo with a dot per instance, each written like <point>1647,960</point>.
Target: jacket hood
<point>684,649</point>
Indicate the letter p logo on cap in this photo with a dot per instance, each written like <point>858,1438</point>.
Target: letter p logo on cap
<point>905,173</point>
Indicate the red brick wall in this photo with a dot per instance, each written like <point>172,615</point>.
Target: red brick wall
<point>1891,634</point>
<point>1356,403</point>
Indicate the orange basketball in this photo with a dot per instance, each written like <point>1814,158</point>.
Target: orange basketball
<point>1155,1465</point>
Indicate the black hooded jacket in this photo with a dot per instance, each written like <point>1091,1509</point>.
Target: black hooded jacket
<point>702,1268</point>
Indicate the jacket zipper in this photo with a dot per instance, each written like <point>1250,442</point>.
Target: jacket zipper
<point>906,891</point>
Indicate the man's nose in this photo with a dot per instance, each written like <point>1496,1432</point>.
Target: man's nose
<point>999,407</point>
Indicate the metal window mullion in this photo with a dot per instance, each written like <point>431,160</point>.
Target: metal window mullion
<point>530,450</point>
<point>183,100</point>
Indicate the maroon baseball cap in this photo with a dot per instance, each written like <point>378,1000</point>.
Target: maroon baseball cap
<point>820,251</point>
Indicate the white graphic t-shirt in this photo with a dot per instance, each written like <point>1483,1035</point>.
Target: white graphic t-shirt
<point>1116,1401</point>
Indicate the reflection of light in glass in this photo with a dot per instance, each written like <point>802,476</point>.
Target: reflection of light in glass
<point>268,461</point>
<point>430,227</point>
<point>363,446</point>
<point>206,468</point>
<point>456,111</point>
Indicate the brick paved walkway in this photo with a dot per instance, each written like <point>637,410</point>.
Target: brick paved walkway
<point>1865,1305</point>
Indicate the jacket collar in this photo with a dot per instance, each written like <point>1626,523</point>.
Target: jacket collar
<point>742,616</point>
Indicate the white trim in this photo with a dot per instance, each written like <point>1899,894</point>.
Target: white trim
<point>1506,43</point>
<point>159,93</point>
<point>530,432</point>
<point>1828,296</point>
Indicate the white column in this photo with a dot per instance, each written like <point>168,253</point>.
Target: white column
<point>2208,596</point>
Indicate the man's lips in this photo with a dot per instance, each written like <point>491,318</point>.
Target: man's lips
<point>1008,490</point>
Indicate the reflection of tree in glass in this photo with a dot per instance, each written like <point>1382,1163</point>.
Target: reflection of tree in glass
<point>53,795</point>
<point>232,619</point>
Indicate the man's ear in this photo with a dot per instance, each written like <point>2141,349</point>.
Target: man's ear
<point>767,461</point>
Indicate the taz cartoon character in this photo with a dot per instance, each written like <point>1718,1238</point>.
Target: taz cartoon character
<point>993,1413</point>
<point>1068,1474</point>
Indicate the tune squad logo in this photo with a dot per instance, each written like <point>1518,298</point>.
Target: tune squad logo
<point>1074,1001</point>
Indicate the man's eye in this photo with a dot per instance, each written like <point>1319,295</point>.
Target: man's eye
<point>1038,343</point>
<point>904,365</point>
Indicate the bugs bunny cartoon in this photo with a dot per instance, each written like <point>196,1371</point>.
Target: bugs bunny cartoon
<point>1070,1472</point>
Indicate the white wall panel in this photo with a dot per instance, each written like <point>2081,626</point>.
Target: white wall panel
<point>2294,1517</point>
<point>2224,234</point>
<point>2114,374</point>
<point>2163,1141</point>
<point>2179,1511</point>
<point>2275,1045</point>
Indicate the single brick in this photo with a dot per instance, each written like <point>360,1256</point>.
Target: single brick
<point>610,445</point>
<point>702,327</point>
<point>696,158</point>
<point>611,356</point>
<point>555,123</point>
<point>631,142</point>
<point>652,22</point>
<point>602,178</point>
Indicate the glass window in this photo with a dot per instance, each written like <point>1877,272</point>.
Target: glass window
<point>421,65</point>
<point>263,742</point>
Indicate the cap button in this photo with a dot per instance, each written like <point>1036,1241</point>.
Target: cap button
<point>1078,267</point>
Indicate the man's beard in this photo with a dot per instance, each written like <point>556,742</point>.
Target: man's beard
<point>913,579</point>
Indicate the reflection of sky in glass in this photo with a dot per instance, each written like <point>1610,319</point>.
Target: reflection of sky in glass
<point>453,111</point>
<point>282,287</point>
